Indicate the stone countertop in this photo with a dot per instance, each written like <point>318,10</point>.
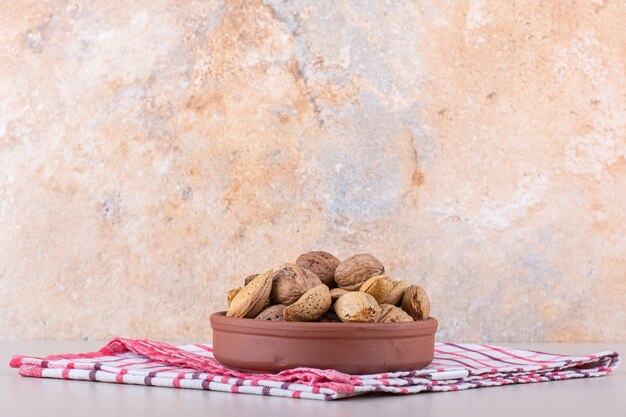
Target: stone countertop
<point>33,397</point>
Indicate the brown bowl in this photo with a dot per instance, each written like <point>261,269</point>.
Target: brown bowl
<point>354,348</point>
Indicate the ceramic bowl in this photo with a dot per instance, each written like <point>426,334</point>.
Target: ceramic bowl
<point>354,348</point>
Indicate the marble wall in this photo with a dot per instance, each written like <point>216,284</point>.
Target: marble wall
<point>152,154</point>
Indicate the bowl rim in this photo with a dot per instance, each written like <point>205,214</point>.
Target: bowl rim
<point>316,330</point>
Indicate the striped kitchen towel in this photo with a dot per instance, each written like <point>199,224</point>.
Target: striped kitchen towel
<point>455,367</point>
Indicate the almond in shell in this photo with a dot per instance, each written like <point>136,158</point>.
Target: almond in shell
<point>378,287</point>
<point>322,264</point>
<point>251,299</point>
<point>290,282</point>
<point>394,297</point>
<point>250,278</point>
<point>311,306</point>
<point>231,294</point>
<point>392,314</point>
<point>272,313</point>
<point>354,271</point>
<point>416,303</point>
<point>335,293</point>
<point>356,306</point>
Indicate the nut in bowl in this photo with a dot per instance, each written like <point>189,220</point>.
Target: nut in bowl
<point>368,323</point>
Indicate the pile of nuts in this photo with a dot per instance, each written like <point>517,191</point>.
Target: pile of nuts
<point>318,287</point>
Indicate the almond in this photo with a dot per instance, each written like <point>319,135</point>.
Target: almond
<point>251,299</point>
<point>416,303</point>
<point>392,314</point>
<point>250,278</point>
<point>290,282</point>
<point>394,297</point>
<point>354,271</point>
<point>335,293</point>
<point>322,264</point>
<point>356,306</point>
<point>272,313</point>
<point>231,294</point>
<point>311,306</point>
<point>378,287</point>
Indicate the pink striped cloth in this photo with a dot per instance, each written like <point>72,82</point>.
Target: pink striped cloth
<point>455,367</point>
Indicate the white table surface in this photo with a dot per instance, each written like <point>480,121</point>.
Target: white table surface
<point>20,396</point>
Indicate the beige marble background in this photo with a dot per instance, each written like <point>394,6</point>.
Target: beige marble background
<point>152,154</point>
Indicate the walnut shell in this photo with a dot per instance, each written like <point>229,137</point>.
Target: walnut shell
<point>290,282</point>
<point>392,314</point>
<point>416,303</point>
<point>394,297</point>
<point>354,271</point>
<point>311,306</point>
<point>250,278</point>
<point>251,299</point>
<point>335,293</point>
<point>322,264</point>
<point>272,313</point>
<point>378,287</point>
<point>355,306</point>
<point>231,294</point>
